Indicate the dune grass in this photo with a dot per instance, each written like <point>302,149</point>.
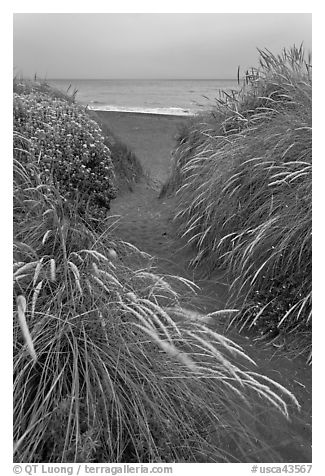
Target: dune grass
<point>242,175</point>
<point>102,370</point>
<point>108,366</point>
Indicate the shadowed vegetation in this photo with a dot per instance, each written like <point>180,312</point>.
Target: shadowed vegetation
<point>128,168</point>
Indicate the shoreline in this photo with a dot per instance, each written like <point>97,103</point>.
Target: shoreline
<point>144,114</point>
<point>152,112</point>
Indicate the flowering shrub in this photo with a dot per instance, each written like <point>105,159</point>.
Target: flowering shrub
<point>69,148</point>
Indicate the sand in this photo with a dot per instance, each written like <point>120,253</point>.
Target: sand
<point>145,222</point>
<point>150,136</point>
<point>145,219</point>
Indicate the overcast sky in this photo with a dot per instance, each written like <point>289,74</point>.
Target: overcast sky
<point>160,45</point>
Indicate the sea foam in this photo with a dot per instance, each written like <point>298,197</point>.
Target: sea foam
<point>168,111</point>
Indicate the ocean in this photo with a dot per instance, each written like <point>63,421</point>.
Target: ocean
<point>174,97</point>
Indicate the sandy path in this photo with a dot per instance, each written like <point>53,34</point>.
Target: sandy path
<point>145,222</point>
<point>150,136</point>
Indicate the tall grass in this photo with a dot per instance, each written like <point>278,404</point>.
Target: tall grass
<point>103,371</point>
<point>242,174</point>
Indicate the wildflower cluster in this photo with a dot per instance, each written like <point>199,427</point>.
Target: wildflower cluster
<point>69,148</point>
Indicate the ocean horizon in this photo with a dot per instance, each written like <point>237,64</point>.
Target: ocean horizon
<point>155,96</point>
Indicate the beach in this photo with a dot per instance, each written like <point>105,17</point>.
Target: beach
<point>161,266</point>
<point>145,261</point>
<point>150,136</point>
<point>144,221</point>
